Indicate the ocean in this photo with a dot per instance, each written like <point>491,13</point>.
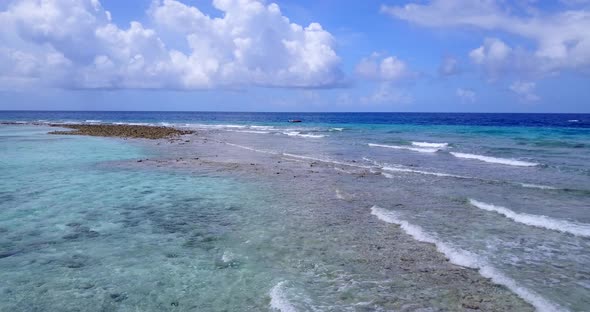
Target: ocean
<point>330,214</point>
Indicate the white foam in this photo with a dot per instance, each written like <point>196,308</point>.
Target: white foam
<point>251,131</point>
<point>343,195</point>
<point>399,168</point>
<point>214,126</point>
<point>228,257</point>
<point>252,149</point>
<point>93,121</point>
<point>495,160</point>
<point>336,129</point>
<point>467,259</point>
<point>299,134</point>
<point>313,136</point>
<point>335,162</point>
<point>578,229</point>
<point>428,144</point>
<point>279,300</point>
<point>537,186</point>
<point>263,128</point>
<point>387,175</point>
<point>415,149</point>
<point>132,123</point>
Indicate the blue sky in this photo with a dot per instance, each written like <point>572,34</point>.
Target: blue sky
<point>246,55</point>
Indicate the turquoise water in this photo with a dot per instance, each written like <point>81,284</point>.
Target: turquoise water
<point>84,225</point>
<point>77,235</point>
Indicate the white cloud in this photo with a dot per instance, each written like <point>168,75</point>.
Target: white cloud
<point>449,67</point>
<point>494,56</point>
<point>562,38</point>
<point>466,95</point>
<point>525,90</point>
<point>377,67</point>
<point>74,44</point>
<point>387,94</point>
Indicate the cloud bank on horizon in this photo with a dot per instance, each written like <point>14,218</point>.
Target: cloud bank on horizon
<point>76,45</point>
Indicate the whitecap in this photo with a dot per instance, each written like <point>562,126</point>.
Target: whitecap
<point>279,300</point>
<point>495,160</point>
<point>578,229</point>
<point>573,120</point>
<point>432,145</point>
<point>466,259</point>
<point>415,149</point>
<point>336,129</point>
<point>93,121</point>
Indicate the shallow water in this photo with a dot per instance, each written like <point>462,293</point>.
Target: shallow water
<point>214,237</point>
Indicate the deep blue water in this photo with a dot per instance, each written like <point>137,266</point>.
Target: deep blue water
<point>466,119</point>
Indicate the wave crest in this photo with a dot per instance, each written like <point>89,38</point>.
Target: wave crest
<point>466,259</point>
<point>540,221</point>
<point>495,160</point>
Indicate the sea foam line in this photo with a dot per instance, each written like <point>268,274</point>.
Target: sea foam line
<point>409,148</point>
<point>466,259</point>
<point>495,160</point>
<point>329,161</point>
<point>298,134</point>
<point>251,149</point>
<point>393,168</point>
<point>578,229</point>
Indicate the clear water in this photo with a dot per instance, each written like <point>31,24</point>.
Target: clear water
<point>208,239</point>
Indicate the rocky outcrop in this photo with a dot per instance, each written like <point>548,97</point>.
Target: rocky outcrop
<point>123,131</point>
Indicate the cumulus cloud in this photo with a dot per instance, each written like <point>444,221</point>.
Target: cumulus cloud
<point>525,90</point>
<point>74,44</point>
<point>384,68</point>
<point>562,38</point>
<point>493,56</point>
<point>449,67</point>
<point>466,95</point>
<point>387,94</point>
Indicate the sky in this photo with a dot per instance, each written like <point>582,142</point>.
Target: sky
<point>322,55</point>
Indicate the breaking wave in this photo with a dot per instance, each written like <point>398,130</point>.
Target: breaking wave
<point>578,229</point>
<point>466,259</point>
<point>415,149</point>
<point>428,144</point>
<point>495,160</point>
<point>303,135</point>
